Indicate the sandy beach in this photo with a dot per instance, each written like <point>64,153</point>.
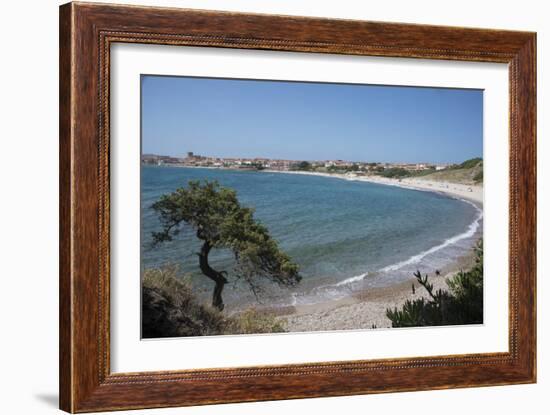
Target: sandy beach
<point>473,193</point>
<point>367,309</point>
<point>462,191</point>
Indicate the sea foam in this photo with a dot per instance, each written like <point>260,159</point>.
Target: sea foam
<point>472,228</point>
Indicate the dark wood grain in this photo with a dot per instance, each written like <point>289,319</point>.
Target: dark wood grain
<point>65,247</point>
<point>86,33</point>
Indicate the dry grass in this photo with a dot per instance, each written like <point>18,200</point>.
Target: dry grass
<point>170,309</point>
<point>468,176</point>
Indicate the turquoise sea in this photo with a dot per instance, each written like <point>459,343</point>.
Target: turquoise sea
<point>345,235</point>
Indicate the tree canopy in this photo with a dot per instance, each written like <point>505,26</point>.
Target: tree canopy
<point>217,217</point>
<point>302,165</point>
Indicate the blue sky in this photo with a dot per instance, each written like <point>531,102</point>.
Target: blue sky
<point>310,121</point>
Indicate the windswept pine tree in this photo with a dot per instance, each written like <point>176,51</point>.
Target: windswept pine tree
<point>219,221</point>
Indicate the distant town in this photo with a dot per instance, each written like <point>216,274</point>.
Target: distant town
<point>357,167</point>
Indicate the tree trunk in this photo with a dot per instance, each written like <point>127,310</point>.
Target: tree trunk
<point>214,275</point>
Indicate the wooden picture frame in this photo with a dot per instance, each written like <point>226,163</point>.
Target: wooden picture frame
<point>86,33</point>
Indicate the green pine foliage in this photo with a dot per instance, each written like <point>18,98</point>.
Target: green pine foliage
<point>461,304</point>
<point>220,222</point>
<point>302,165</point>
<point>396,172</point>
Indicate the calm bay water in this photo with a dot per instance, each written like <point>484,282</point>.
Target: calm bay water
<point>345,235</point>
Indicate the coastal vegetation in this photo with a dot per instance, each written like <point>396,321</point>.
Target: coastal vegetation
<point>302,166</point>
<point>478,178</point>
<point>399,172</point>
<point>172,306</point>
<point>468,172</point>
<point>218,220</point>
<point>170,309</point>
<point>394,173</point>
<point>468,164</point>
<point>462,303</point>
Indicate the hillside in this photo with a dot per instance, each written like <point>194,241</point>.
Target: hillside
<point>470,172</point>
<point>170,309</point>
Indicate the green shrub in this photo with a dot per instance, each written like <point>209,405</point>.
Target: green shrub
<point>478,178</point>
<point>461,304</point>
<point>252,321</point>
<point>395,172</point>
<point>170,309</point>
<point>302,165</point>
<point>468,164</point>
<point>420,173</point>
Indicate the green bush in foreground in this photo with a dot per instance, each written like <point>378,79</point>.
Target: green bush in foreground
<point>170,309</point>
<point>461,304</point>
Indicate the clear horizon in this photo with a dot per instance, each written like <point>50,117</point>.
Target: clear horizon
<point>309,121</point>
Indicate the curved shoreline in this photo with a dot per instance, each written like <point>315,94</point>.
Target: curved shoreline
<point>455,190</point>
<point>469,194</point>
<point>367,309</point>
<point>473,193</point>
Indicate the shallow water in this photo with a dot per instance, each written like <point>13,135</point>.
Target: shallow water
<point>345,235</point>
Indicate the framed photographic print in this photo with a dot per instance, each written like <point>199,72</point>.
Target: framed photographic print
<point>260,207</point>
